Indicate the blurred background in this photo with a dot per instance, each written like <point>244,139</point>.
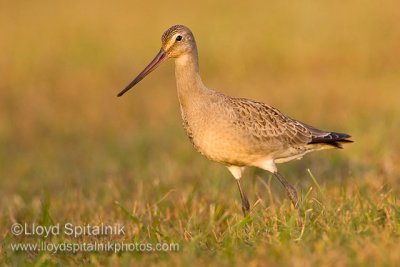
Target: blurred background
<point>334,65</point>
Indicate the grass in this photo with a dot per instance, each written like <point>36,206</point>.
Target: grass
<point>70,151</point>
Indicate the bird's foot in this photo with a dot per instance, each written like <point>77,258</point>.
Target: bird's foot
<point>292,193</point>
<point>245,206</point>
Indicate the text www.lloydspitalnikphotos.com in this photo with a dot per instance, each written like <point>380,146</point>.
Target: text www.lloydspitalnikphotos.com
<point>75,231</point>
<point>108,246</point>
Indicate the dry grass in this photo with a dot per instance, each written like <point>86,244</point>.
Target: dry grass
<point>73,152</point>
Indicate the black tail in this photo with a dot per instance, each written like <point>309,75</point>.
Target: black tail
<point>332,139</point>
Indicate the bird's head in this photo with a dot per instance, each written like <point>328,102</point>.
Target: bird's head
<point>177,41</point>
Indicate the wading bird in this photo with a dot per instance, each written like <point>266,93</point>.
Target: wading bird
<point>235,132</point>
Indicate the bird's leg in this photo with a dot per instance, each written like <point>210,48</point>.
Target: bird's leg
<point>245,201</point>
<point>291,191</point>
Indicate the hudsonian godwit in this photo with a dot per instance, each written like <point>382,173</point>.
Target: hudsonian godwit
<point>236,132</point>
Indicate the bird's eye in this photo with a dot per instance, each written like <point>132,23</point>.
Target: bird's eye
<point>178,38</point>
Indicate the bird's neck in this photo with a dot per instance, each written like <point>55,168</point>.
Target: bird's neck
<point>188,81</point>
